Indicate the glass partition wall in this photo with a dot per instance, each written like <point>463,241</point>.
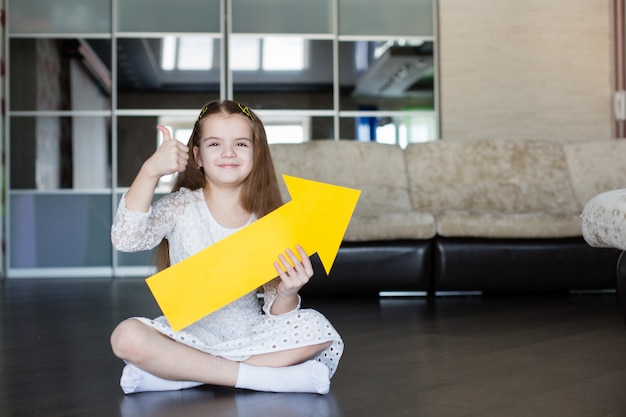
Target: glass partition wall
<point>88,81</point>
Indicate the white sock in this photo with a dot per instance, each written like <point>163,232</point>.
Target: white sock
<point>311,376</point>
<point>137,380</point>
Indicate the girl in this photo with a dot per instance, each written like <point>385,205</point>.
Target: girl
<point>226,181</point>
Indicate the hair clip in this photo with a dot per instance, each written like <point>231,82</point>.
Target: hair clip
<point>204,109</point>
<point>246,111</point>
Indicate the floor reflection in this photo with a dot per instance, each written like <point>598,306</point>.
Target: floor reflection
<point>222,402</point>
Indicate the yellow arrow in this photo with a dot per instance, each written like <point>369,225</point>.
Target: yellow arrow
<point>316,218</point>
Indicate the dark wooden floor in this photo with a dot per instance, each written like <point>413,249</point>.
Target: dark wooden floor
<point>457,356</point>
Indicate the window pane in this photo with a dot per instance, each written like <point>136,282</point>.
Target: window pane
<point>400,129</point>
<point>143,82</point>
<point>322,128</point>
<point>268,54</point>
<point>245,54</point>
<point>60,74</point>
<point>53,152</point>
<point>168,16</point>
<point>308,88</point>
<point>41,222</point>
<point>282,16</point>
<point>194,53</point>
<point>288,133</point>
<point>386,75</point>
<point>60,16</point>
<point>287,129</point>
<point>136,140</point>
<point>388,18</point>
<point>284,54</point>
<point>169,48</point>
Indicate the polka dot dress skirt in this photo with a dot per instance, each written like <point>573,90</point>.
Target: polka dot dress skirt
<point>239,337</point>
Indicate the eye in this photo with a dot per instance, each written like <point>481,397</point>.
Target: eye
<point>209,144</point>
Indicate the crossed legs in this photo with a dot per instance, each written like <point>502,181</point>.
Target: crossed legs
<point>147,349</point>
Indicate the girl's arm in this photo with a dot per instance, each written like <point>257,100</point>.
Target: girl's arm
<point>134,228</point>
<point>169,158</point>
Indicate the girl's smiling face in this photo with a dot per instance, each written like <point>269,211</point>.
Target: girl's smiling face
<point>226,149</point>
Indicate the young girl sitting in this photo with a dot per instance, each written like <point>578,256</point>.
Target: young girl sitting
<point>226,181</point>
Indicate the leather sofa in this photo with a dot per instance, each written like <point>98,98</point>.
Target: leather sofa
<point>488,215</point>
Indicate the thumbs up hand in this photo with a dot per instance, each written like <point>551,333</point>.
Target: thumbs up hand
<point>170,157</point>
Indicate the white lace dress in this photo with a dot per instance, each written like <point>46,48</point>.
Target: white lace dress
<point>242,328</point>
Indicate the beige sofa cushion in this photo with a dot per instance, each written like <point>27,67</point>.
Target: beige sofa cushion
<point>503,226</point>
<point>596,167</point>
<point>391,226</point>
<point>492,176</point>
<point>494,188</point>
<point>384,209</point>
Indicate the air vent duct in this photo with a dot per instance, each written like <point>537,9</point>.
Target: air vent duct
<point>393,74</point>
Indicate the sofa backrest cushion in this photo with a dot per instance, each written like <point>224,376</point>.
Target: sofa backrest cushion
<point>482,175</point>
<point>596,167</point>
<point>376,169</point>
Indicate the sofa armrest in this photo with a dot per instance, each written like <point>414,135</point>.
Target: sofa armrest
<point>603,220</point>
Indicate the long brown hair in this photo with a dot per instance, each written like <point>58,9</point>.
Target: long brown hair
<point>260,193</point>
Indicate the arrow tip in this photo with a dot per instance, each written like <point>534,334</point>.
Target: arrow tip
<point>330,207</point>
